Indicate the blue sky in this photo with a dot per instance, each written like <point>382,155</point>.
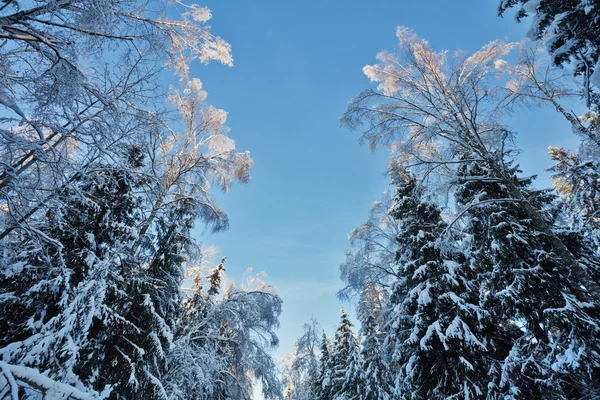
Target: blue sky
<point>297,64</point>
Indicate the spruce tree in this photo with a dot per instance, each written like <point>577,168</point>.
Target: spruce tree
<point>325,371</point>
<point>344,361</point>
<point>375,378</point>
<point>352,387</point>
<point>92,320</point>
<point>436,332</point>
<point>547,330</point>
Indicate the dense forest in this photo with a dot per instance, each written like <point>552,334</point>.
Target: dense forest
<point>468,281</point>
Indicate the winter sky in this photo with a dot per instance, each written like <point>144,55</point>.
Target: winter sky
<point>297,64</point>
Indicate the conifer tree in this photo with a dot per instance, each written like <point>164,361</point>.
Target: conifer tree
<point>375,379</point>
<point>93,304</point>
<point>436,331</point>
<point>430,109</point>
<point>324,383</point>
<point>352,387</point>
<point>548,327</point>
<point>344,361</point>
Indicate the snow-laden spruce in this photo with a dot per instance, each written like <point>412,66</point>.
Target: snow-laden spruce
<point>436,332</point>
<point>546,330</point>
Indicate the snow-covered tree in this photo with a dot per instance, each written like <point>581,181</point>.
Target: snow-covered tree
<point>432,110</point>
<point>372,257</point>
<point>375,377</point>
<point>569,30</point>
<point>436,332</point>
<point>187,162</point>
<point>80,307</point>
<point>324,376</point>
<point>344,362</point>
<point>303,369</point>
<point>193,360</point>
<point>99,190</point>
<point>352,387</point>
<point>577,181</point>
<point>534,80</point>
<point>222,346</point>
<point>547,328</point>
<point>79,77</point>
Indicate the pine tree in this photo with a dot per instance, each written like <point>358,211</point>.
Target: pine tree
<point>547,329</point>
<point>436,331</point>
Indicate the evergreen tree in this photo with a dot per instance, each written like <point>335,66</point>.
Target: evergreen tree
<point>92,319</point>
<point>344,361</point>
<point>436,332</point>
<point>352,387</point>
<point>431,140</point>
<point>375,378</point>
<point>547,328</point>
<point>324,382</point>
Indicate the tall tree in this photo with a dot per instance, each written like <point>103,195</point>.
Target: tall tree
<point>436,332</point>
<point>89,319</point>
<point>63,109</point>
<point>433,110</point>
<point>551,325</point>
<point>324,382</point>
<point>104,197</point>
<point>343,361</point>
<point>375,381</point>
